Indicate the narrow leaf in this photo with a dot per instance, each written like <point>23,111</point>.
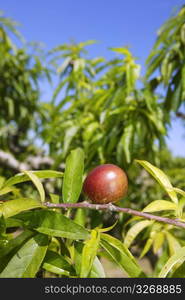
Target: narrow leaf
<point>56,263</point>
<point>107,228</point>
<point>37,183</point>
<point>89,252</point>
<point>159,205</point>
<point>7,190</point>
<point>97,270</point>
<point>69,135</point>
<point>26,262</point>
<point>72,183</point>
<point>147,247</point>
<point>161,178</point>
<point>53,224</point>
<point>178,256</point>
<point>158,241</point>
<point>134,231</point>
<point>13,207</point>
<point>121,255</point>
<point>21,177</point>
<point>173,243</point>
<point>16,242</point>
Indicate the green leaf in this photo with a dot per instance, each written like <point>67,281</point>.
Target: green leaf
<point>125,143</point>
<point>54,224</point>
<point>135,230</point>
<point>26,262</point>
<point>54,198</point>
<point>72,183</point>
<point>90,130</point>
<point>2,225</point>
<point>16,242</point>
<point>7,190</point>
<point>97,270</point>
<point>147,247</point>
<point>161,178</point>
<point>179,191</point>
<point>89,252</point>
<point>2,180</point>
<point>158,241</point>
<point>80,216</point>
<point>69,135</point>
<point>61,69</point>
<point>13,207</point>
<point>155,62</point>
<point>56,263</point>
<point>37,183</point>
<point>107,228</point>
<point>173,243</point>
<point>121,255</point>
<point>11,222</point>
<point>159,205</point>
<point>173,260</point>
<point>21,177</point>
<point>179,272</point>
<point>123,51</point>
<point>154,118</point>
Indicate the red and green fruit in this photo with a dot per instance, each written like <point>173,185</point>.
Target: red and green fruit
<point>106,184</point>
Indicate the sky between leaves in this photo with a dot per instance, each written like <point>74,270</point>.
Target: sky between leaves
<point>112,23</point>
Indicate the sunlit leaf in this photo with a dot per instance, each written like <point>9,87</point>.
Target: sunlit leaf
<point>53,224</point>
<point>37,183</point>
<point>159,205</point>
<point>56,263</point>
<point>80,216</point>
<point>173,243</point>
<point>89,253</point>
<point>146,247</point>
<point>107,228</point>
<point>16,242</point>
<point>21,177</point>
<point>179,255</point>
<point>72,183</point>
<point>13,207</point>
<point>179,191</point>
<point>26,262</point>
<point>7,190</point>
<point>179,272</point>
<point>160,177</point>
<point>97,270</point>
<point>158,241</point>
<point>69,135</point>
<point>134,231</point>
<point>121,255</point>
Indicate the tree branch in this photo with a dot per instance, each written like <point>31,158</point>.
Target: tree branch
<point>111,207</point>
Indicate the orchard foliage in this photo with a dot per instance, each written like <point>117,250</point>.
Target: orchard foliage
<point>19,91</point>
<point>168,58</point>
<point>101,111</point>
<point>59,242</point>
<point>98,106</point>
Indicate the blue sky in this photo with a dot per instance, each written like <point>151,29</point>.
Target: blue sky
<point>132,23</point>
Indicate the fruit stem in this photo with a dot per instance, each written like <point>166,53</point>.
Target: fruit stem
<point>112,207</point>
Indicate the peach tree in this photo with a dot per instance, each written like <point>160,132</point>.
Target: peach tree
<point>49,236</point>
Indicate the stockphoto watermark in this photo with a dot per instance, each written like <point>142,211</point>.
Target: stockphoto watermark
<point>120,289</point>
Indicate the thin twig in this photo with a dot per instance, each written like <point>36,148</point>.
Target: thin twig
<point>112,207</point>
